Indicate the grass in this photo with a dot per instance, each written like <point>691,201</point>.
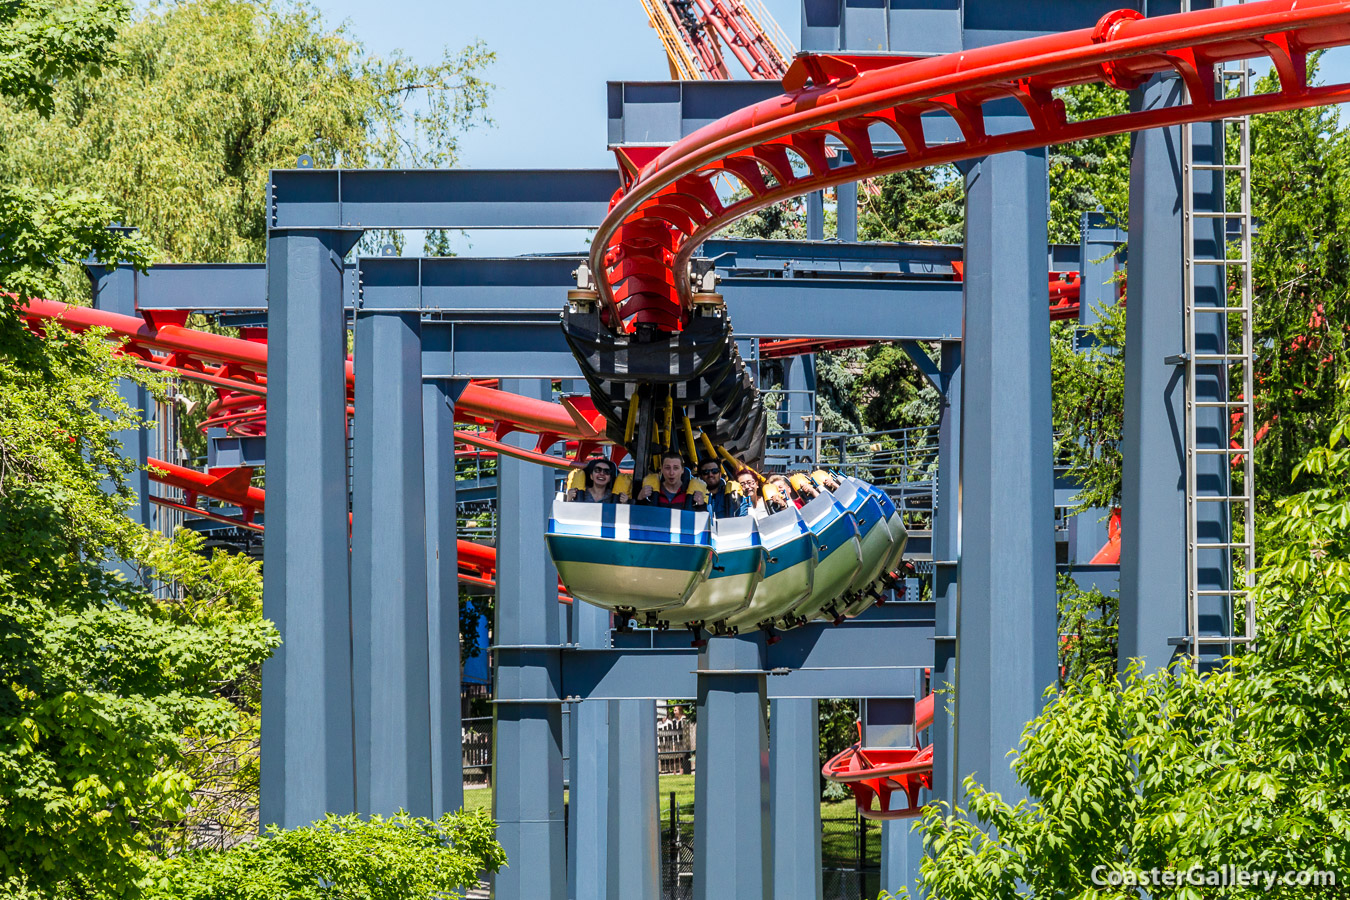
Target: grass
<point>837,843</point>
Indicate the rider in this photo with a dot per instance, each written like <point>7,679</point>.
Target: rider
<point>722,500</point>
<point>673,489</point>
<point>599,484</point>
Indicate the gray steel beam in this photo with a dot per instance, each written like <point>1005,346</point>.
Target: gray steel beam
<point>588,791</point>
<point>390,673</point>
<point>307,753</point>
<point>815,216</point>
<point>632,859</point>
<point>115,291</point>
<point>794,773</point>
<point>527,766</point>
<point>214,287</point>
<point>659,113</point>
<point>901,845</point>
<point>1153,484</point>
<point>443,664</point>
<point>440,198</point>
<point>731,775</point>
<point>524,346</point>
<point>946,548</point>
<point>1006,629</point>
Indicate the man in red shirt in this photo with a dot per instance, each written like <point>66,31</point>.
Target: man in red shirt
<point>673,491</point>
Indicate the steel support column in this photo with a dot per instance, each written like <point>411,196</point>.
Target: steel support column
<point>443,666</point>
<point>527,776</point>
<point>1006,630</point>
<point>633,858</point>
<point>390,676</point>
<point>588,794</point>
<point>901,845</point>
<point>731,775</point>
<point>1102,245</point>
<point>946,550</point>
<point>115,291</point>
<point>307,755</point>
<point>815,216</point>
<point>1214,568</point>
<point>794,772</point>
<point>1153,482</point>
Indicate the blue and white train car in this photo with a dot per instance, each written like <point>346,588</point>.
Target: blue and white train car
<point>839,553</point>
<point>789,571</point>
<point>630,558</point>
<point>736,573</point>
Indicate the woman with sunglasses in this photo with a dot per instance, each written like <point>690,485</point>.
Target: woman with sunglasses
<point>599,484</point>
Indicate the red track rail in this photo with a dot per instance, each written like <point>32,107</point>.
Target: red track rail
<point>777,149</point>
<point>237,369</point>
<point>477,562</point>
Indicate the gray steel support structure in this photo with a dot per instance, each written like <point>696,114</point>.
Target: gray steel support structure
<point>794,775</point>
<point>1102,255</point>
<point>1153,483</point>
<point>114,290</point>
<point>588,791</point>
<point>632,858</point>
<point>307,746</point>
<point>391,676</point>
<point>527,765</point>
<point>1007,642</point>
<point>731,778</point>
<point>442,561</point>
<point>946,589</point>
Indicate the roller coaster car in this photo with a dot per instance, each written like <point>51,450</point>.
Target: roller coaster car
<point>736,574</point>
<point>789,569</point>
<point>871,590</point>
<point>876,774</point>
<point>629,558</point>
<point>874,538</point>
<point>839,553</point>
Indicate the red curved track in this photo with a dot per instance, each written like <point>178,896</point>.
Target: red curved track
<point>477,562</point>
<point>776,149</point>
<point>237,369</point>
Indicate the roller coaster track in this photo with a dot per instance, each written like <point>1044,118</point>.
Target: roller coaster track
<point>671,200</point>
<point>776,149</point>
<point>477,562</point>
<point>237,369</point>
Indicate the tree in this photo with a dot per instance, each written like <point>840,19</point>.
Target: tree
<point>98,681</point>
<point>1244,767</point>
<point>398,858</point>
<point>212,94</point>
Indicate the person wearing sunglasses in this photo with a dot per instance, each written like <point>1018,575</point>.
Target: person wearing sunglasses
<point>722,500</point>
<point>599,484</point>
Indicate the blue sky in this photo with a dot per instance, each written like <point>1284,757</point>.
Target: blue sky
<point>553,59</point>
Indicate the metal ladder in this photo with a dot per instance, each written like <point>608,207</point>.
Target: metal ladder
<point>1230,365</point>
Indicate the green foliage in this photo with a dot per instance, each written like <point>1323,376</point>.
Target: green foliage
<point>1088,405</point>
<point>892,393</point>
<point>211,94</point>
<point>399,858</point>
<point>1247,766</point>
<point>1091,174</point>
<point>918,205</point>
<point>1090,622</point>
<point>98,681</point>
<point>45,42</point>
<point>1301,276</point>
